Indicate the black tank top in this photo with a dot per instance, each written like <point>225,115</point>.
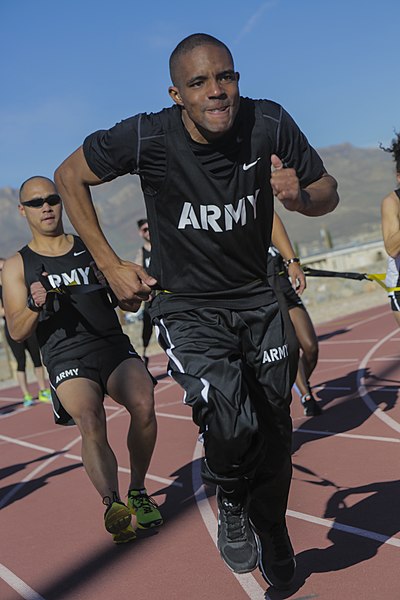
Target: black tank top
<point>71,325</point>
<point>146,258</point>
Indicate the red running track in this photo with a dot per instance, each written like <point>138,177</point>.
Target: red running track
<point>343,515</point>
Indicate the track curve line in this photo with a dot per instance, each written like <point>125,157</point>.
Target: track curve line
<point>364,395</point>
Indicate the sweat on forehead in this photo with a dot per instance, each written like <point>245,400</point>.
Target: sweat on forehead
<point>187,45</point>
<point>32,183</point>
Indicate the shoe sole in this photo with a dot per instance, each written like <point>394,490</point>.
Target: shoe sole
<point>150,525</point>
<point>119,521</point>
<point>125,536</point>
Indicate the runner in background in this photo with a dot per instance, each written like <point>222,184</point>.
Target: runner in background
<point>19,350</point>
<point>390,217</point>
<point>292,283</point>
<point>143,259</point>
<point>53,287</point>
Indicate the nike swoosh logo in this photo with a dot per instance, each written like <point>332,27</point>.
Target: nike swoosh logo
<point>78,253</point>
<point>247,167</point>
<point>129,352</point>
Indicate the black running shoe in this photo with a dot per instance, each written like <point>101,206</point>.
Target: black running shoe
<point>310,406</point>
<point>277,561</point>
<point>236,540</point>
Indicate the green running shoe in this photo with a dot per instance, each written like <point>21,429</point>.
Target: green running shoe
<point>118,522</point>
<point>28,400</point>
<point>44,395</point>
<point>144,508</point>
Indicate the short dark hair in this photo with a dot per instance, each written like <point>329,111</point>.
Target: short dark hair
<point>141,222</point>
<point>21,189</point>
<point>394,149</point>
<point>187,45</point>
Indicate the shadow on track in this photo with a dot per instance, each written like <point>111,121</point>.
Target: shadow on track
<point>343,408</point>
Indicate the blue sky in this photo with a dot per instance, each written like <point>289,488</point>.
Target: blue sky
<point>71,67</point>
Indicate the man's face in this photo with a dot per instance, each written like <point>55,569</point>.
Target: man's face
<point>144,232</point>
<point>208,92</point>
<point>45,219</point>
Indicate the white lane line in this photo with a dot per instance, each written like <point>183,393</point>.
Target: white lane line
<point>367,320</point>
<point>373,388</point>
<point>169,416</point>
<point>365,397</point>
<point>385,358</point>
<point>331,387</point>
<point>78,458</point>
<point>371,535</point>
<point>12,413</point>
<point>353,436</point>
<point>174,403</point>
<point>247,581</point>
<point>166,386</point>
<point>18,585</point>
<point>15,489</point>
<point>338,360</point>
<point>342,342</point>
<point>9,399</point>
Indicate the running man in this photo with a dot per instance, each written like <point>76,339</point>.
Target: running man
<point>292,283</point>
<point>205,169</point>
<point>85,351</point>
<point>390,214</point>
<point>143,259</point>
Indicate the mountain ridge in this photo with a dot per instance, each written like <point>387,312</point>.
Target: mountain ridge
<point>365,176</point>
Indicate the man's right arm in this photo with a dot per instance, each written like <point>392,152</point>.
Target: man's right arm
<point>129,281</point>
<point>21,320</point>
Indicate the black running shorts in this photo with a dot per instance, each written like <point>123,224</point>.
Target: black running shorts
<point>395,301</point>
<point>292,299</point>
<point>96,366</point>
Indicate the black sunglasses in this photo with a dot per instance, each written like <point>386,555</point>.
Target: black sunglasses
<point>52,200</point>
<point>145,229</point>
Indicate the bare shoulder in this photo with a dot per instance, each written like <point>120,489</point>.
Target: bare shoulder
<point>391,201</point>
<point>13,267</point>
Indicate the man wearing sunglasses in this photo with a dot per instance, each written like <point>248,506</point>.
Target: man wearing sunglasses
<point>52,286</point>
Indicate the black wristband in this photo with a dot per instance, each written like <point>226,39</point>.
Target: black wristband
<point>32,306</point>
<point>289,261</point>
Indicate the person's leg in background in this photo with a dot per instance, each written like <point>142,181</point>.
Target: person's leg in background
<point>131,386</point>
<point>308,342</point>
<point>18,351</point>
<point>32,346</point>
<point>83,399</point>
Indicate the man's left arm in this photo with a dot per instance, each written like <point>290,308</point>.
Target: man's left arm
<point>317,198</point>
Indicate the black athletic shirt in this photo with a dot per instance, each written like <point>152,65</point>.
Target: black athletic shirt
<point>209,206</point>
<point>73,325</point>
<point>146,258</point>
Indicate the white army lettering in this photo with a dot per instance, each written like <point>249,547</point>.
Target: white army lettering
<point>211,216</point>
<point>66,374</point>
<point>273,354</point>
<point>77,276</point>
